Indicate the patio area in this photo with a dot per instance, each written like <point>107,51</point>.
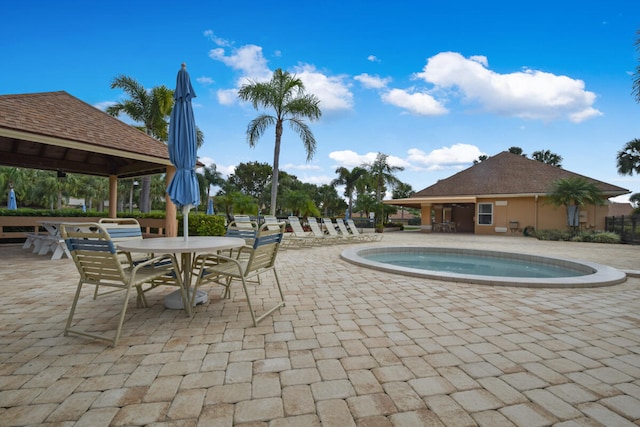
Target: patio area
<point>352,347</point>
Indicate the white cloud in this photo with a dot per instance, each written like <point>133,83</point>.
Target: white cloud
<point>332,91</point>
<point>305,166</point>
<point>227,96</point>
<point>350,159</point>
<point>205,80</point>
<point>372,82</point>
<point>217,40</point>
<point>445,157</point>
<point>104,105</point>
<point>373,58</point>
<point>247,59</point>
<point>415,102</point>
<point>527,94</point>
<point>317,180</point>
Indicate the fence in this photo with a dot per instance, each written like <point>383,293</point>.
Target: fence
<point>17,227</point>
<point>627,226</point>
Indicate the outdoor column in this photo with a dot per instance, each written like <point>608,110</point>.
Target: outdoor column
<point>113,196</point>
<point>425,220</point>
<point>170,223</point>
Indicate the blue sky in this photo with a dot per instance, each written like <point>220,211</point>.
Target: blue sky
<point>432,84</point>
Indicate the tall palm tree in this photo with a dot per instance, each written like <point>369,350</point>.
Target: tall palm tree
<point>382,174</point>
<point>348,178</point>
<point>573,193</point>
<point>636,75</point>
<point>284,93</point>
<point>546,156</point>
<point>628,159</point>
<point>151,108</point>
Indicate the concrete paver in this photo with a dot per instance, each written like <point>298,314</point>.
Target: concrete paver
<point>352,347</point>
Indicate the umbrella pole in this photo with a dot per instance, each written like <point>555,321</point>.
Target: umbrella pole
<point>185,221</point>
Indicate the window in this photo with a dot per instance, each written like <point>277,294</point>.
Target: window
<point>485,213</point>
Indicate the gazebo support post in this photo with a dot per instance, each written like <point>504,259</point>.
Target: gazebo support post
<point>170,225</point>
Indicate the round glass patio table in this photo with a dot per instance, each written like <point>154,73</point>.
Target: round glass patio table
<point>186,249</point>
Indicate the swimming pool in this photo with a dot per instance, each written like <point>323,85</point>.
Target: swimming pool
<point>484,267</point>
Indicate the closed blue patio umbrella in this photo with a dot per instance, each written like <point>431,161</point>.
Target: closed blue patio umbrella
<point>210,207</point>
<point>12,205</point>
<point>183,188</point>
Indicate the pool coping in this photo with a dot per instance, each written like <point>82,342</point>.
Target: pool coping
<point>603,275</point>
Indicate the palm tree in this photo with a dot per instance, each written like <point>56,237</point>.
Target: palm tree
<point>348,178</point>
<point>546,156</point>
<point>402,191</point>
<point>151,108</point>
<point>284,93</point>
<point>628,158</point>
<point>636,75</point>
<point>574,192</point>
<point>382,174</point>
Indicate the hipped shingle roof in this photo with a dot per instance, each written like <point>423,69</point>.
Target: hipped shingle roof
<point>507,174</point>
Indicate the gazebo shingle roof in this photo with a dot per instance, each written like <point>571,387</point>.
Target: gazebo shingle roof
<point>507,174</point>
<point>58,130</point>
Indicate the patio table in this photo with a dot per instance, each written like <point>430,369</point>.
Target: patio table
<point>186,249</point>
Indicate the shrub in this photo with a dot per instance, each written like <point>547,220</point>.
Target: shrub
<point>580,236</point>
<point>204,225</point>
<point>554,235</point>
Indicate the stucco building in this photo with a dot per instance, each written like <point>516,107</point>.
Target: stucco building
<point>501,195</point>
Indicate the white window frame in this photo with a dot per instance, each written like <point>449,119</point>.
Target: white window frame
<point>484,214</point>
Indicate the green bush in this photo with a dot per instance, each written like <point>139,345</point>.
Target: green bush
<point>203,225</point>
<point>605,237</point>
<point>554,235</point>
<point>580,236</point>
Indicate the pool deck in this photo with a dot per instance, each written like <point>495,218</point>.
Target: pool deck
<point>352,347</point>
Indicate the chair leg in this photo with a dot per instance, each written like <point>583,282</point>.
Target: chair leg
<point>73,309</point>
<point>122,315</point>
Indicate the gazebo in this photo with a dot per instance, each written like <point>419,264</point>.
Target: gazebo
<point>56,131</point>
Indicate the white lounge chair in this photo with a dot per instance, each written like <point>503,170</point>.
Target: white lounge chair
<point>331,229</point>
<point>317,232</point>
<point>373,237</point>
<point>345,232</point>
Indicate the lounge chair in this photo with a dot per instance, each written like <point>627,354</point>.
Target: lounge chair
<point>94,254</point>
<point>304,237</point>
<point>345,232</point>
<point>373,237</point>
<point>331,229</point>
<point>250,262</point>
<point>288,241</point>
<point>317,232</point>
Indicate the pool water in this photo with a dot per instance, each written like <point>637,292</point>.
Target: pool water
<point>477,265</point>
<point>485,267</point>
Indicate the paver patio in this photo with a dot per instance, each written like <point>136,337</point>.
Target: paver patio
<point>353,347</point>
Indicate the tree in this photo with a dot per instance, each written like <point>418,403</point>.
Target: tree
<point>382,174</point>
<point>516,150</point>
<point>210,176</point>
<point>480,159</point>
<point>329,200</point>
<point>546,156</point>
<point>573,193</point>
<point>636,76</point>
<point>402,191</point>
<point>348,178</point>
<point>634,199</point>
<point>150,108</point>
<point>251,178</point>
<point>285,94</point>
<point>628,159</point>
